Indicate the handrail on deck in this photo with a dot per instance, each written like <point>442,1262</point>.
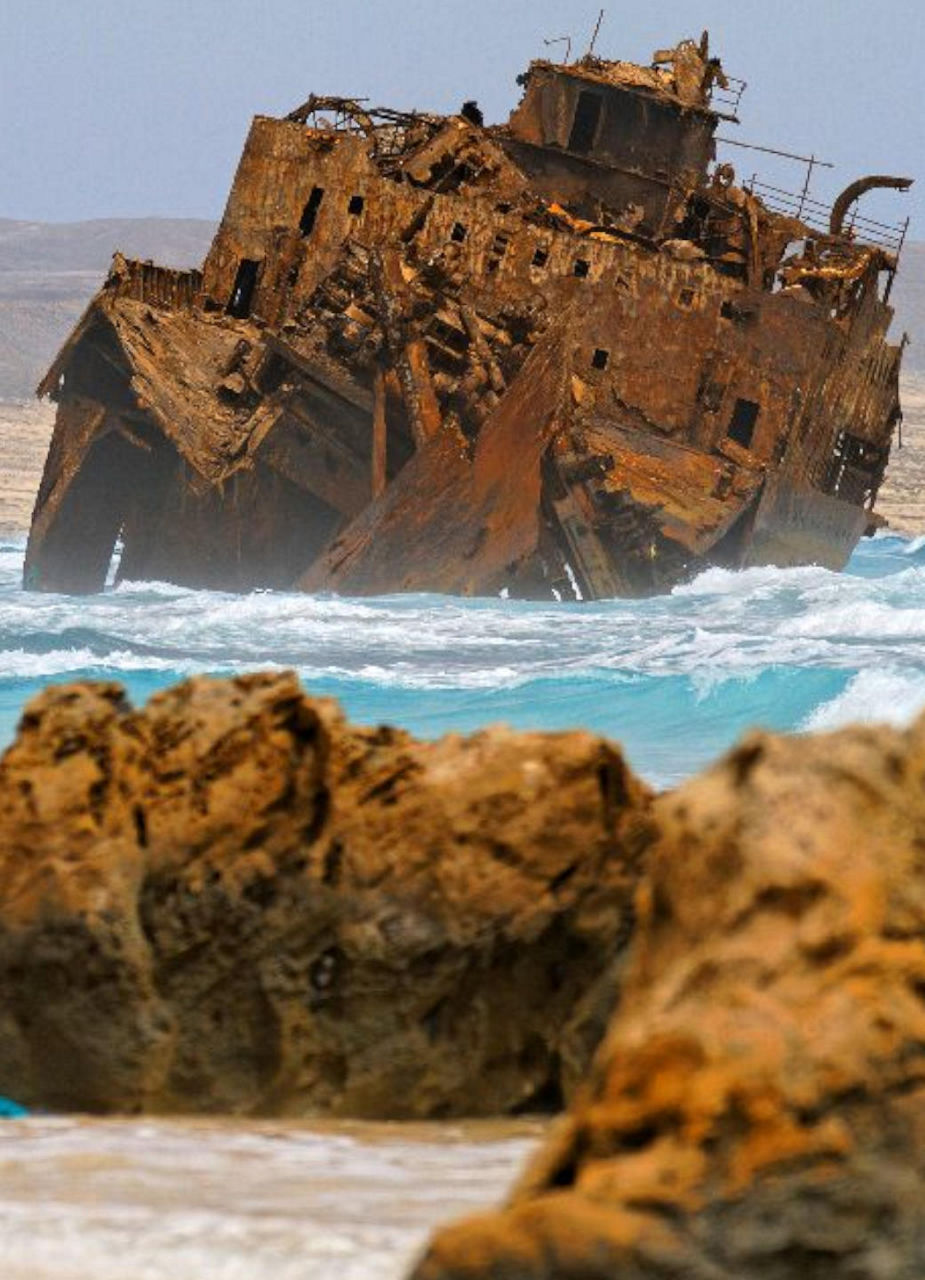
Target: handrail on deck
<point>816,214</point>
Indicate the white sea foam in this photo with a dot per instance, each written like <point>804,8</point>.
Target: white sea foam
<point>675,677</point>
<point>872,697</point>
<point>23,665</point>
<point>762,580</point>
<point>163,1200</point>
<point>857,620</point>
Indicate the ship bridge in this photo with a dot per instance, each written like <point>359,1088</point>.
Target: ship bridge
<point>622,136</point>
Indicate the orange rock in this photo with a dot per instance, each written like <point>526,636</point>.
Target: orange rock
<point>757,1108</point>
<point>233,901</point>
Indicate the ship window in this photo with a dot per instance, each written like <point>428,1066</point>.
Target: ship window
<point>498,250</point>
<point>355,207</point>
<point>686,297</point>
<point>239,304</point>
<point>540,258</point>
<point>310,212</point>
<point>448,335</point>
<point>458,233</point>
<point>587,118</point>
<point>582,267</point>
<point>742,424</point>
<point>600,359</point>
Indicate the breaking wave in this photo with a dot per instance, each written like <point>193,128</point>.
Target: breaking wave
<point>676,678</point>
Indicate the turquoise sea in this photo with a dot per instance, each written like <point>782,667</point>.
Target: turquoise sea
<point>676,679</point>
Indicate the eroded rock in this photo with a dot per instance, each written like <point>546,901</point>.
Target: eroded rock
<point>232,901</point>
<point>758,1106</point>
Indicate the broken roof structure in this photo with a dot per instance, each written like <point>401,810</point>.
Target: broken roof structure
<point>568,354</point>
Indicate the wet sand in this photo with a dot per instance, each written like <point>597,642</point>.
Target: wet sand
<point>85,1199</point>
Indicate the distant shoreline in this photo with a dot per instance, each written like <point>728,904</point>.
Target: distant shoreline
<point>25,433</point>
<point>902,498</point>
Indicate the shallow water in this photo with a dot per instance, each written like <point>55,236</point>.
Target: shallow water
<point>85,1199</point>
<point>676,679</point>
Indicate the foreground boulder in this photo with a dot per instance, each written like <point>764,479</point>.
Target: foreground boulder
<point>232,901</point>
<point>758,1106</point>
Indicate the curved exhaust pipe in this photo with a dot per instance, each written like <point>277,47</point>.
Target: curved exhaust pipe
<point>855,191</point>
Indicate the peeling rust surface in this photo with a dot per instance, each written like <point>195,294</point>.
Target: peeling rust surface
<point>569,354</point>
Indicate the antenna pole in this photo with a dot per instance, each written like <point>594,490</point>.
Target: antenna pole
<point>600,19</point>
<point>772,151</point>
<point>810,165</point>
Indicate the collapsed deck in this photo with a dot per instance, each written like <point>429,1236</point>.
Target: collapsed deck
<point>567,355</point>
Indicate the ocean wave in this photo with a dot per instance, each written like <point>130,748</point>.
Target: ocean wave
<point>20,664</point>
<point>859,620</point>
<point>675,677</point>
<point>752,583</point>
<point>872,697</point>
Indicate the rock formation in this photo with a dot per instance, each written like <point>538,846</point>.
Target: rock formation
<point>757,1109</point>
<point>232,901</point>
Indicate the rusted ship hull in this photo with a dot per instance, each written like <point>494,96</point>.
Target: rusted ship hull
<point>426,355</point>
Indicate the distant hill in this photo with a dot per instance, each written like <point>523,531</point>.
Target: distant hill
<point>909,301</point>
<point>48,248</point>
<point>49,271</point>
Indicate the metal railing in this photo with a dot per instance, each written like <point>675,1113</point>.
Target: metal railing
<point>725,101</point>
<point>388,130</point>
<point>147,282</point>
<point>817,215</point>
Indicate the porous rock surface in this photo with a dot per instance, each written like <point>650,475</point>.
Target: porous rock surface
<point>757,1108</point>
<point>231,900</point>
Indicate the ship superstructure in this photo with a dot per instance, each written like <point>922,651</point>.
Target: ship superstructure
<point>566,355</point>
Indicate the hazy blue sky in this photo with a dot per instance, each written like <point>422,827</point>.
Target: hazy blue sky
<point>140,107</point>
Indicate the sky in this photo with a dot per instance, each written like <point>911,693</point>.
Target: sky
<point>137,108</point>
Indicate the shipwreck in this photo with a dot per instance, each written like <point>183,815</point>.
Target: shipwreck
<point>570,355</point>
